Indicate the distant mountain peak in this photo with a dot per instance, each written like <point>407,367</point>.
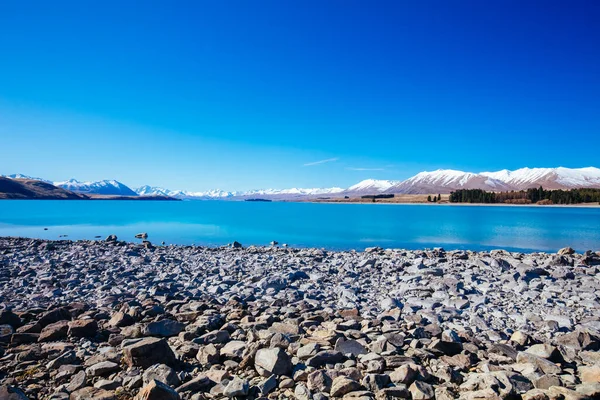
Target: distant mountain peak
<point>426,182</point>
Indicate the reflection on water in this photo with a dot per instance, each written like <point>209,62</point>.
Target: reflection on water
<point>302,224</point>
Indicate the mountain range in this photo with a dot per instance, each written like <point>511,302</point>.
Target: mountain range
<point>440,181</point>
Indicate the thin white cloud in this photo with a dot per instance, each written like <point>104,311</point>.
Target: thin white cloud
<point>321,162</point>
<point>365,169</point>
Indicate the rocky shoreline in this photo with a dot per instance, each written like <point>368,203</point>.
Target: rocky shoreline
<point>118,320</point>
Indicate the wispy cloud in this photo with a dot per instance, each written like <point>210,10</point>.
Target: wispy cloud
<point>321,162</point>
<point>365,169</point>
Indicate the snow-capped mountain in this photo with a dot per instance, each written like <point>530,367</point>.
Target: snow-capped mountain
<point>222,194</point>
<point>147,190</point>
<point>21,176</point>
<point>549,178</point>
<point>440,181</point>
<point>371,186</point>
<point>445,181</point>
<point>293,191</point>
<point>105,187</point>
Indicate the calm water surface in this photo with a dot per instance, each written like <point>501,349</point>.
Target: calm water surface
<point>333,226</point>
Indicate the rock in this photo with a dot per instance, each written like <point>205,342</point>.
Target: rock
<point>111,238</point>
<point>233,349</point>
<point>236,388</point>
<point>54,331</point>
<point>198,384</point>
<point>421,391</point>
<point>12,393</point>
<point>393,393</point>
<point>83,328</point>
<point>590,374</point>
<point>375,382</point>
<point>405,374</point>
<point>342,385</point>
<point>10,318</point>
<point>156,390</point>
<point>267,385</point>
<point>162,373</point>
<point>102,368</point>
<point>92,393</point>
<point>147,352</point>
<point>325,357</point>
<point>142,235</point>
<point>350,347</point>
<point>163,328</point>
<point>273,361</point>
<point>535,394</point>
<point>544,351</point>
<point>120,319</point>
<point>208,354</point>
<point>50,317</point>
<point>542,364</point>
<point>78,381</point>
<point>566,251</point>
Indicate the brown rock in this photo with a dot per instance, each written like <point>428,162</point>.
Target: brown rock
<point>147,352</point>
<point>83,328</point>
<point>156,390</point>
<point>54,331</point>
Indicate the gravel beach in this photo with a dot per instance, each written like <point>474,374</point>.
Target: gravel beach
<point>118,320</point>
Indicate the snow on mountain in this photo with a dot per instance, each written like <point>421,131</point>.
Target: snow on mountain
<point>147,190</point>
<point>182,194</point>
<point>549,178</point>
<point>445,181</point>
<point>21,176</point>
<point>105,187</point>
<point>372,186</point>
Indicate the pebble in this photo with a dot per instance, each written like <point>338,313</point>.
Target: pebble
<point>111,319</point>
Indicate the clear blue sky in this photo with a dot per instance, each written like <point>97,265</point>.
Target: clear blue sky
<point>242,94</point>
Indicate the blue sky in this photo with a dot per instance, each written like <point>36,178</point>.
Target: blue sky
<point>253,94</point>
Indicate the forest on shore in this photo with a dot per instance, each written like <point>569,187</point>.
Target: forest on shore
<point>530,196</point>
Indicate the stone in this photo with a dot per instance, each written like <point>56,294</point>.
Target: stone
<point>544,350</point>
<point>53,316</point>
<point>421,391</point>
<point>147,352</point>
<point>342,385</point>
<point>273,361</point>
<point>590,374</point>
<point>92,393</point>
<point>121,319</point>
<point>163,328</point>
<point>156,390</point>
<point>542,364</point>
<point>566,251</point>
<point>12,393</point>
<point>78,381</point>
<point>10,318</point>
<point>233,349</point>
<point>162,373</point>
<point>301,392</point>
<point>393,393</point>
<point>350,347</point>
<point>325,357</point>
<point>102,368</point>
<point>198,384</point>
<point>236,388</point>
<point>86,328</point>
<point>54,331</point>
<point>405,374</point>
<point>208,354</point>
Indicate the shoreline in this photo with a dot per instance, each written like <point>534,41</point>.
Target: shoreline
<point>119,319</point>
<point>582,205</point>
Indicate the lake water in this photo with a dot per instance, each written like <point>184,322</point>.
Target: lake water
<point>332,226</point>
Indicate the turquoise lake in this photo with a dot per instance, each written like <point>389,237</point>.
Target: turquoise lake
<point>331,226</point>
